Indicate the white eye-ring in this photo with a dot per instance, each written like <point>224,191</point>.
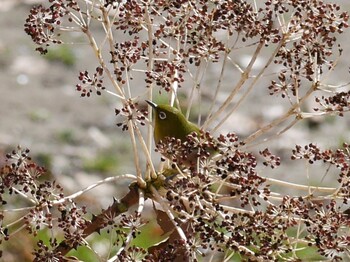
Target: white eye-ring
<point>162,115</point>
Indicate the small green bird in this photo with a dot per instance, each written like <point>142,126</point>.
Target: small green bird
<point>170,122</point>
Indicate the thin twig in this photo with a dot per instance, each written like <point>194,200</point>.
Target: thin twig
<point>239,85</point>
<point>252,85</point>
<point>136,158</point>
<point>89,188</point>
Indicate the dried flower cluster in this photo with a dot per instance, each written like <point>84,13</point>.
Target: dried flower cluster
<point>198,195</point>
<point>132,115</point>
<point>196,148</point>
<point>270,160</point>
<point>89,84</point>
<point>21,183</point>
<point>125,55</point>
<point>215,200</point>
<point>165,74</point>
<point>340,159</point>
<point>337,104</point>
<point>43,24</point>
<point>312,28</point>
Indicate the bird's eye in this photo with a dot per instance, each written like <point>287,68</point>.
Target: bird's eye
<point>162,115</point>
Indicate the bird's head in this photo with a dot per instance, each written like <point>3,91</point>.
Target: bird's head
<point>170,122</point>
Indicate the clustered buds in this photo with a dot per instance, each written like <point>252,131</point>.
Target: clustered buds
<point>340,159</point>
<point>90,84</point>
<point>286,84</point>
<point>19,171</point>
<point>312,45</point>
<point>337,104</point>
<point>131,115</point>
<point>270,159</point>
<point>196,147</point>
<point>232,175</point>
<point>43,24</point>
<point>165,73</point>
<point>72,222</point>
<point>21,182</point>
<point>125,55</point>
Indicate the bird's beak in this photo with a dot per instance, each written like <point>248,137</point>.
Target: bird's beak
<point>154,105</point>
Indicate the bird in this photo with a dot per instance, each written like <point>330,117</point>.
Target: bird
<point>170,122</point>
